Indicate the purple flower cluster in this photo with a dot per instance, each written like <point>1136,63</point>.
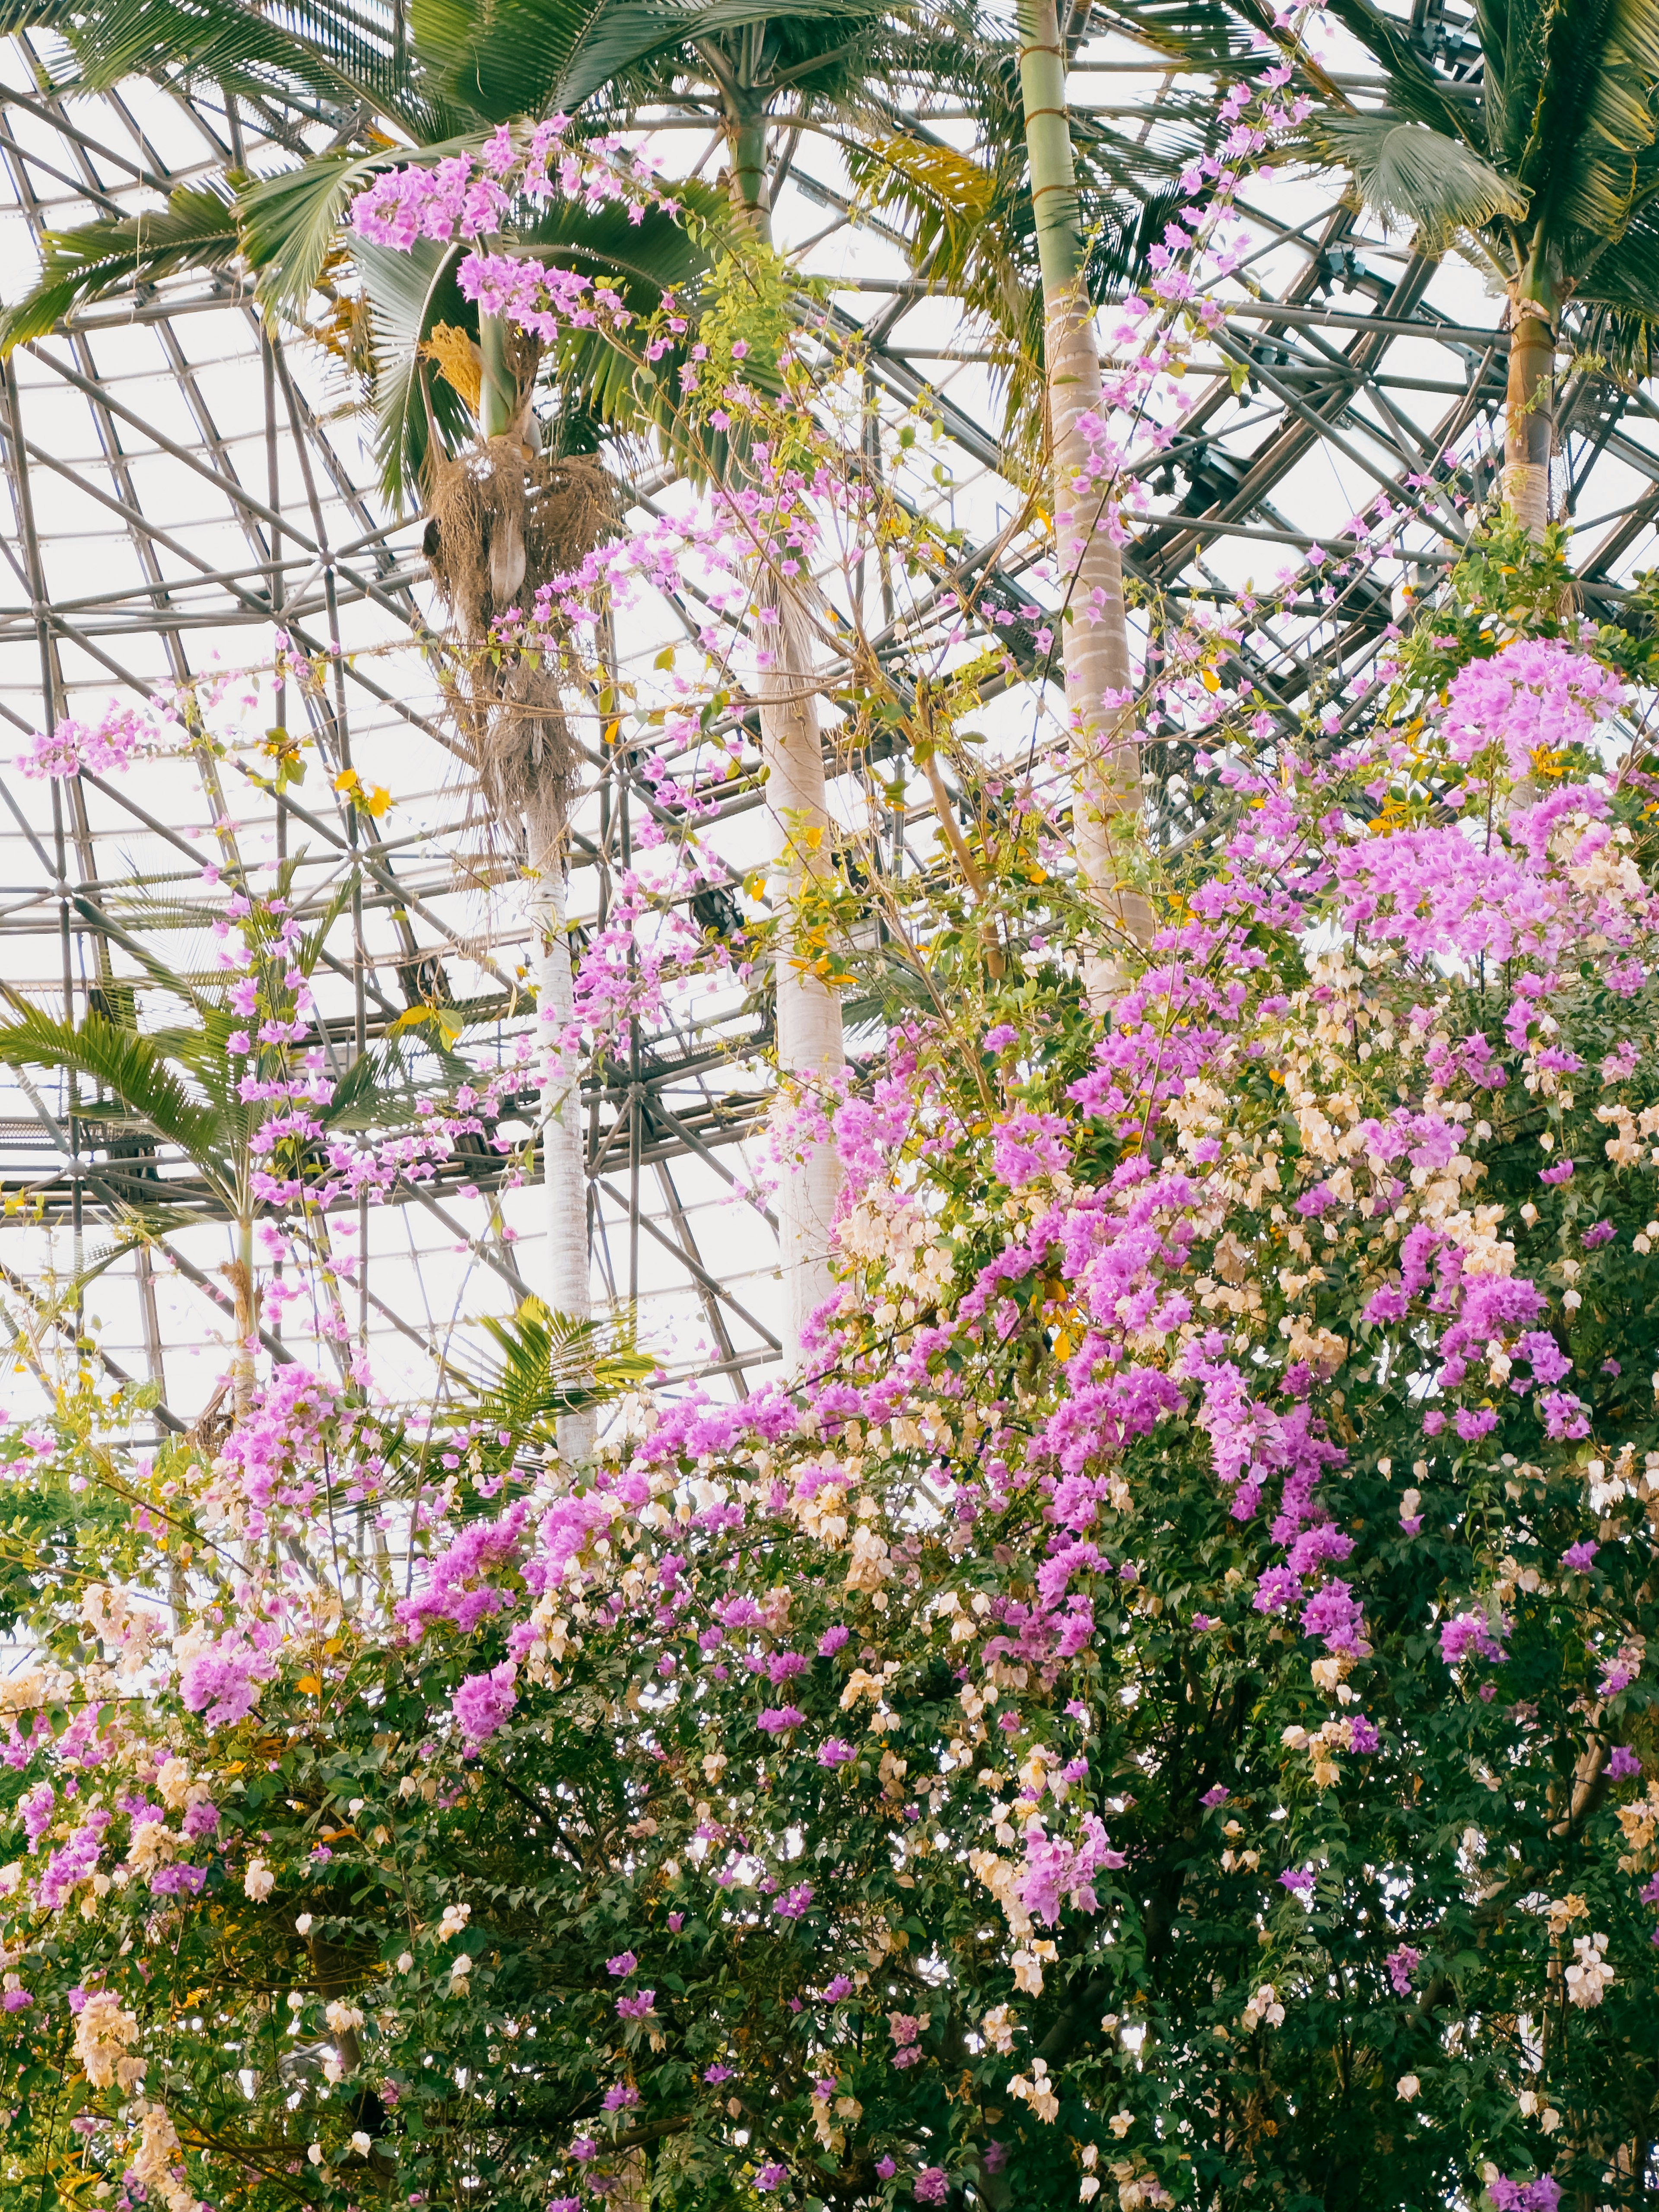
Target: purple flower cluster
<point>484,1703</point>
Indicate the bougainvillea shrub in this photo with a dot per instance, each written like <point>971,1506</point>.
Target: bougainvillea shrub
<point>1160,1710</point>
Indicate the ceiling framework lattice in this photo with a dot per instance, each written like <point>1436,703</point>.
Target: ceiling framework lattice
<point>181,484</point>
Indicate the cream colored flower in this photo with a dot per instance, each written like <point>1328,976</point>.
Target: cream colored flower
<point>103,2033</point>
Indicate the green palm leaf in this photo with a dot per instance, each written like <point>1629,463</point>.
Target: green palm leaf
<point>313,47</point>
<point>512,58</point>
<point>629,32</point>
<point>33,16</point>
<point>196,230</point>
<point>1412,88</point>
<point>131,1067</point>
<point>408,293</point>
<point>971,223</point>
<point>201,1052</point>
<point>1200,35</point>
<point>502,58</point>
<point>374,1091</point>
<point>1595,121</point>
<point>552,1364</point>
<point>1619,290</point>
<point>1416,178</point>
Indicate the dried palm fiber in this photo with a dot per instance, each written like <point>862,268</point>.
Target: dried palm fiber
<point>501,523</point>
<point>458,361</point>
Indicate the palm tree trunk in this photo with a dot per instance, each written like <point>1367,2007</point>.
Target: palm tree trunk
<point>241,1272</point>
<point>564,1150</point>
<point>1095,651</point>
<point>1529,420</point>
<point>809,1031</point>
<point>568,1277</point>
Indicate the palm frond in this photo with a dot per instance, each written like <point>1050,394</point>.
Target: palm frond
<point>1222,38</point>
<point>309,949</point>
<point>129,1066</point>
<point>408,293</point>
<point>970,222</point>
<point>196,230</point>
<point>1620,291</point>
<point>640,261</point>
<point>1199,35</point>
<point>502,58</point>
<point>626,32</point>
<point>33,16</point>
<point>141,909</point>
<point>971,226</point>
<point>1595,119</point>
<point>552,1364</point>
<point>202,1053</point>
<point>374,1090</point>
<point>1414,177</point>
<point>133,1233</point>
<point>313,46</point>
<point>1412,88</point>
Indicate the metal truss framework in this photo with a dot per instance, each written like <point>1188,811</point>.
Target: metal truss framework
<point>181,482</point>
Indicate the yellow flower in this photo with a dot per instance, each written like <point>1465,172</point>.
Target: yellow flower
<point>376,801</point>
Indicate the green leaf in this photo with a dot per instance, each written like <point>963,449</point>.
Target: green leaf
<point>132,1068</point>
<point>408,293</point>
<point>1417,178</point>
<point>196,230</point>
<point>552,1364</point>
<point>514,57</point>
<point>504,59</point>
<point>629,32</point>
<point>313,46</point>
<point>293,222</point>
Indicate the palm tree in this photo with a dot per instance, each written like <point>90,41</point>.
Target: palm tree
<point>1544,173</point>
<point>754,68</point>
